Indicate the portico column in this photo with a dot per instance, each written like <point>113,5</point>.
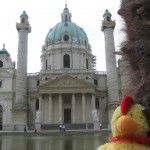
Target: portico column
<point>93,109</point>
<point>83,107</point>
<point>50,108</point>
<point>40,107</point>
<point>93,102</point>
<point>60,108</point>
<point>95,115</point>
<point>73,108</point>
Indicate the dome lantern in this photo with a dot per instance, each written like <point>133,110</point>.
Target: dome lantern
<point>107,15</point>
<point>66,31</point>
<point>24,17</point>
<point>24,23</point>
<point>66,15</point>
<point>4,51</point>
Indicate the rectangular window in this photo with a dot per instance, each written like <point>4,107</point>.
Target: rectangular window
<point>95,82</point>
<point>37,104</point>
<point>46,64</point>
<point>67,102</point>
<point>38,83</point>
<point>0,84</point>
<point>1,63</point>
<point>97,103</point>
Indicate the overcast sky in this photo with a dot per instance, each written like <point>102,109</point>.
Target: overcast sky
<point>45,14</point>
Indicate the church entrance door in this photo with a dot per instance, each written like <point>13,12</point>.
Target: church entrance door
<point>67,115</point>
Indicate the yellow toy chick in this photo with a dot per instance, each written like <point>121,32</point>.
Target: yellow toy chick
<point>129,128</point>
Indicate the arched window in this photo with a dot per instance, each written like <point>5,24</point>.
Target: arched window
<point>65,17</point>
<point>66,61</point>
<point>87,66</point>
<point>1,117</point>
<point>22,20</point>
<point>1,63</point>
<point>108,18</point>
<point>85,43</point>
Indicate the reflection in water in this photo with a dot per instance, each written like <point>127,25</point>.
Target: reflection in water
<point>55,142</point>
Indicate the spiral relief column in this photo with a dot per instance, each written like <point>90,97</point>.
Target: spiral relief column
<point>19,110</point>
<point>112,74</point>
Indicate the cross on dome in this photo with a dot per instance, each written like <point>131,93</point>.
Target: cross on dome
<point>3,45</point>
<point>65,3</point>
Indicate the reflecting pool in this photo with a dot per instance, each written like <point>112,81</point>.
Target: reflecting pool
<point>55,142</point>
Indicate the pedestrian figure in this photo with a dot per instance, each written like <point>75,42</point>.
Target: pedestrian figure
<point>60,127</point>
<point>100,126</point>
<point>64,128</point>
<point>14,127</point>
<point>86,126</point>
<point>34,130</point>
<point>25,129</point>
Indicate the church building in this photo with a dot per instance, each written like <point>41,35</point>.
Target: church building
<point>67,89</point>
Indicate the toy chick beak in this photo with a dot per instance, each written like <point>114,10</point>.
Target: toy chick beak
<point>126,125</point>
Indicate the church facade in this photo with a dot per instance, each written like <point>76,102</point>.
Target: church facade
<point>67,90</point>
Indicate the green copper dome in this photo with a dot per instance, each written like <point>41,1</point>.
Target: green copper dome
<point>107,13</point>
<point>24,15</point>
<point>66,31</point>
<point>4,51</point>
<point>55,34</point>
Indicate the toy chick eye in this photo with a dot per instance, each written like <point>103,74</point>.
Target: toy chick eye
<point>131,115</point>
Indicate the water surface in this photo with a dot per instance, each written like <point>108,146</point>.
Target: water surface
<point>55,142</point>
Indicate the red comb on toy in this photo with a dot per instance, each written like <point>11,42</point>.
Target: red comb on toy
<point>126,103</point>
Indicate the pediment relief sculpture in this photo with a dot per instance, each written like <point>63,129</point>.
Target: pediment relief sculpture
<point>67,81</point>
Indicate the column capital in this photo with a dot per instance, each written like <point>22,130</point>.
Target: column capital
<point>83,94</point>
<point>40,95</point>
<point>50,95</point>
<point>93,94</point>
<point>60,94</point>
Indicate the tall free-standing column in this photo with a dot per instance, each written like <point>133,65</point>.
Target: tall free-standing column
<point>19,111</point>
<point>21,76</point>
<point>112,74</point>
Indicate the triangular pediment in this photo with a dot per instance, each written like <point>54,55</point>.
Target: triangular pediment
<point>66,81</point>
<point>66,84</point>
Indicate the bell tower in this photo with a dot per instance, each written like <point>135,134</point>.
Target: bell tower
<point>112,74</point>
<point>19,110</point>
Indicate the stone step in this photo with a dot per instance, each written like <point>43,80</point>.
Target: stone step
<point>68,126</point>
